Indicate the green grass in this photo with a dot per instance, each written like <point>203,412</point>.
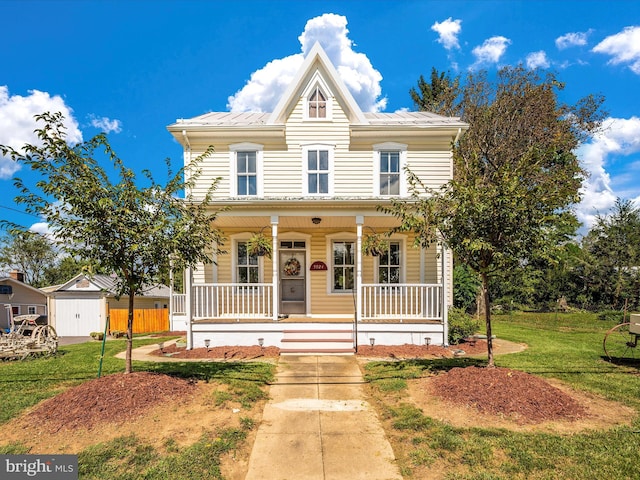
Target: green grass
<point>24,384</point>
<point>564,346</point>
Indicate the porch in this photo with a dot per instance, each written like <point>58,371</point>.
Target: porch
<point>397,297</point>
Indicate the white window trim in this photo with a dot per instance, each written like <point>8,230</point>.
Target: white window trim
<point>317,81</point>
<point>246,147</point>
<point>235,239</point>
<point>386,147</point>
<point>305,168</point>
<point>340,237</point>
<point>401,239</point>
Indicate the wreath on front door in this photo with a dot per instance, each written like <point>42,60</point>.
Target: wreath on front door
<point>292,267</point>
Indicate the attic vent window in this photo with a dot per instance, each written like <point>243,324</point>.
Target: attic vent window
<point>317,104</point>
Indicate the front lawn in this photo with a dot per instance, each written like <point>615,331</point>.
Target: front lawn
<point>567,347</point>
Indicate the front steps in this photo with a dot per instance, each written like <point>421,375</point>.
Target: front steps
<point>317,342</point>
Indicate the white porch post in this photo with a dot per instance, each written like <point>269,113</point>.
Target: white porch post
<point>188,290</point>
<point>359,223</point>
<point>274,267</point>
<point>445,296</point>
<point>172,305</point>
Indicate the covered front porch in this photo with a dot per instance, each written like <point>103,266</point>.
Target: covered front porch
<point>398,298</point>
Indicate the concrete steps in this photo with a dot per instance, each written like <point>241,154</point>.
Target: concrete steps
<point>317,342</point>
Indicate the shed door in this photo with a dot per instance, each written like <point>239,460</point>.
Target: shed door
<point>78,317</point>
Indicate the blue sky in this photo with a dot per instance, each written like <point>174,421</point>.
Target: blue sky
<point>130,68</point>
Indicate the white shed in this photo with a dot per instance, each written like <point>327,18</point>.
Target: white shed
<point>79,306</point>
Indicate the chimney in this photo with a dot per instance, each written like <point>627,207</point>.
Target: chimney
<point>16,275</point>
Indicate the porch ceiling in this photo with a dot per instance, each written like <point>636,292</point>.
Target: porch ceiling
<point>302,222</point>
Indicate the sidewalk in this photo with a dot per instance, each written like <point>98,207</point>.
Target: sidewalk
<point>318,426</point>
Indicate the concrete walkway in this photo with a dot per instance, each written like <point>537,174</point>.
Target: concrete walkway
<point>318,426</point>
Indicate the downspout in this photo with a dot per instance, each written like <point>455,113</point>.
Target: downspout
<point>445,296</point>
<point>455,140</point>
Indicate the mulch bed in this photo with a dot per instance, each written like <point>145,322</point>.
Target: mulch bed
<point>225,353</point>
<point>422,351</point>
<point>112,398</point>
<point>501,391</point>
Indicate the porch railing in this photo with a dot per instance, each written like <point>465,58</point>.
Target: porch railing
<point>402,301</point>
<point>179,303</point>
<point>232,300</point>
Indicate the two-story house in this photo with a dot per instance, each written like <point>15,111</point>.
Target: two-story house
<point>310,175</point>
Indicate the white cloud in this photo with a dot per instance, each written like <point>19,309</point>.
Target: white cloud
<point>624,47</point>
<point>572,39</point>
<point>266,85</point>
<point>106,124</point>
<point>448,31</point>
<point>537,60</point>
<point>491,50</point>
<point>620,137</point>
<point>17,122</point>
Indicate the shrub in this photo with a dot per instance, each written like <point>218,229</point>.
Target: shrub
<point>461,326</point>
<point>611,316</point>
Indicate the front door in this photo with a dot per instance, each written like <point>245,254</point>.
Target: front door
<point>293,284</point>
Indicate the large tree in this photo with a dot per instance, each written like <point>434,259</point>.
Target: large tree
<point>613,244</point>
<point>131,230</point>
<point>515,175</point>
<point>439,95</point>
<point>28,252</point>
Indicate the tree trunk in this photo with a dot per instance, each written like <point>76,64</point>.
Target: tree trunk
<point>487,316</point>
<point>128,368</point>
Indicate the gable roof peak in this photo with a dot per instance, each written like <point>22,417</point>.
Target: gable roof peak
<point>317,59</point>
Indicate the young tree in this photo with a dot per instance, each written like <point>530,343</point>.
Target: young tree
<point>515,175</point>
<point>28,252</point>
<point>130,230</point>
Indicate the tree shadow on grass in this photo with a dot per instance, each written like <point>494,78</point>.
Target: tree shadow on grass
<point>416,368</point>
<point>257,372</point>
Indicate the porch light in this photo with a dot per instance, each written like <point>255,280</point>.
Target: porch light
<point>372,341</point>
<point>427,341</point>
<point>207,342</point>
<point>316,220</point>
<point>261,342</point>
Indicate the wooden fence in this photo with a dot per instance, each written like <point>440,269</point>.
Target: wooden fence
<point>144,320</point>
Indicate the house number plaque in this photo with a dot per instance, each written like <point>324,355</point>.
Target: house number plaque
<point>318,266</point>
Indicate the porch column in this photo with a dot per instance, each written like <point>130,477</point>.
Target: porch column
<point>274,267</point>
<point>359,223</point>
<point>445,296</point>
<point>188,289</point>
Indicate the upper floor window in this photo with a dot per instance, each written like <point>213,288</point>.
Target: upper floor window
<point>246,173</point>
<point>246,169</point>
<point>317,104</point>
<point>390,173</point>
<point>318,160</point>
<point>389,162</point>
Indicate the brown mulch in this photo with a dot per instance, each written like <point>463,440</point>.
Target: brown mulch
<point>112,398</point>
<point>422,351</point>
<point>228,353</point>
<point>501,391</point>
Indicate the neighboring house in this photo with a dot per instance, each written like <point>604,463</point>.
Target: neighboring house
<point>18,298</point>
<point>311,175</point>
<point>79,306</point>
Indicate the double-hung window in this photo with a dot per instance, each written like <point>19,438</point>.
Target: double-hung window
<point>246,169</point>
<point>389,264</point>
<point>247,265</point>
<point>389,162</point>
<point>246,173</point>
<point>344,260</point>
<point>318,163</point>
<point>390,173</point>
